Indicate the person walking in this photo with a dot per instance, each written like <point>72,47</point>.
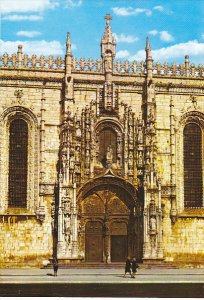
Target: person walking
<point>134,267</point>
<point>55,266</point>
<point>128,266</point>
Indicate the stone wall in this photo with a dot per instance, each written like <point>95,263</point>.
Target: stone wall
<point>26,239</point>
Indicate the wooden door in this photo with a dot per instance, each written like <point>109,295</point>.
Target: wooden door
<point>118,248</point>
<point>94,242</point>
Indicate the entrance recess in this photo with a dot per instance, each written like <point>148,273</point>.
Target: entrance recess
<point>118,248</point>
<point>119,242</point>
<point>94,242</point>
<point>111,216</point>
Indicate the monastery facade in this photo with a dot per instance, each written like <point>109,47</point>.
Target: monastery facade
<point>100,159</point>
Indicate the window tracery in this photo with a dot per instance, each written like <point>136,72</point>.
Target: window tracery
<point>193,180</point>
<point>18,163</point>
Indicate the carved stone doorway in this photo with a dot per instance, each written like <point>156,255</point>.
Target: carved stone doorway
<point>94,242</point>
<point>111,222</point>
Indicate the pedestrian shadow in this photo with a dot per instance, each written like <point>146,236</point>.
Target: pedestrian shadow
<point>50,274</point>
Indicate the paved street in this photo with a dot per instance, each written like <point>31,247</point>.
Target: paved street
<point>102,282</point>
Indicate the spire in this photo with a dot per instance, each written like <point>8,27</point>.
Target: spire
<point>108,36</point>
<point>149,60</point>
<point>148,48</point>
<point>68,44</point>
<point>68,55</point>
<point>108,42</point>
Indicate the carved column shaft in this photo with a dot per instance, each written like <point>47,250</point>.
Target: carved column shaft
<point>42,138</point>
<point>60,248</point>
<point>172,160</point>
<point>126,142</point>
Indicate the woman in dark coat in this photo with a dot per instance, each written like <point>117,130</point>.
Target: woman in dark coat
<point>134,267</point>
<point>128,266</point>
<point>55,266</point>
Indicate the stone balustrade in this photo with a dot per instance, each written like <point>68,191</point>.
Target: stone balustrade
<point>23,61</point>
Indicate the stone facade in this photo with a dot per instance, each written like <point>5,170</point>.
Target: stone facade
<point>105,158</point>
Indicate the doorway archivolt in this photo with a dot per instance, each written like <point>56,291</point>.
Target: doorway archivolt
<point>111,222</point>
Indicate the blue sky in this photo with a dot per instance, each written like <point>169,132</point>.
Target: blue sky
<point>175,27</point>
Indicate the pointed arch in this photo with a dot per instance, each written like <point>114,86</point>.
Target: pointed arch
<point>189,150</point>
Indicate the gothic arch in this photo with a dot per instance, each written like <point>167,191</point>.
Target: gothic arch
<point>119,217</point>
<point>9,115</point>
<point>118,184</point>
<point>112,125</point>
<point>195,117</point>
<point>107,122</point>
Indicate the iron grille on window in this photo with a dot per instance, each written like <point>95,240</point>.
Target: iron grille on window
<point>18,159</point>
<point>193,181</point>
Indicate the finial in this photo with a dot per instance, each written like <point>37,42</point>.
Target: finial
<point>68,44</point>
<point>20,48</point>
<point>148,48</point>
<point>108,17</point>
<point>108,41</point>
<point>149,60</point>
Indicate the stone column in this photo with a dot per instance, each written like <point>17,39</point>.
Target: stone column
<point>172,163</point>
<point>107,242</point>
<point>146,252</point>
<point>159,223</point>
<point>60,246</point>
<point>74,225</point>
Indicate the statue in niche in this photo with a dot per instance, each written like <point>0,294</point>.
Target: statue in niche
<point>140,159</point>
<point>78,132</point>
<point>108,63</point>
<point>109,156</point>
<point>140,135</point>
<point>67,229</point>
<point>153,224</point>
<point>77,153</point>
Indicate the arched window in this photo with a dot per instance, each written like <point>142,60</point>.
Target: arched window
<point>107,138</point>
<point>18,163</point>
<point>193,179</point>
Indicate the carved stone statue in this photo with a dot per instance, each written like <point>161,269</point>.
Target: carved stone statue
<point>108,63</point>
<point>153,226</point>
<point>67,229</point>
<point>109,156</point>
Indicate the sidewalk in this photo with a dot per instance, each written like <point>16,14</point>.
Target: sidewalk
<point>182,283</point>
<point>101,275</point>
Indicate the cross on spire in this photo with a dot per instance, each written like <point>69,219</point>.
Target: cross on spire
<point>108,17</point>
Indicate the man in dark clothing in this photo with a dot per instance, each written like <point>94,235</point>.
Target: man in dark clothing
<point>55,266</point>
<point>128,266</point>
<point>134,267</point>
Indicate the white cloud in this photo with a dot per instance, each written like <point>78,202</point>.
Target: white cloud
<point>122,54</point>
<point>193,48</point>
<point>202,36</point>
<point>166,36</point>
<point>130,11</point>
<point>22,6</point>
<point>13,18</point>
<point>122,38</point>
<point>153,32</point>
<point>73,3</point>
<point>159,8</point>
<point>32,47</point>
<point>163,9</point>
<point>28,34</point>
